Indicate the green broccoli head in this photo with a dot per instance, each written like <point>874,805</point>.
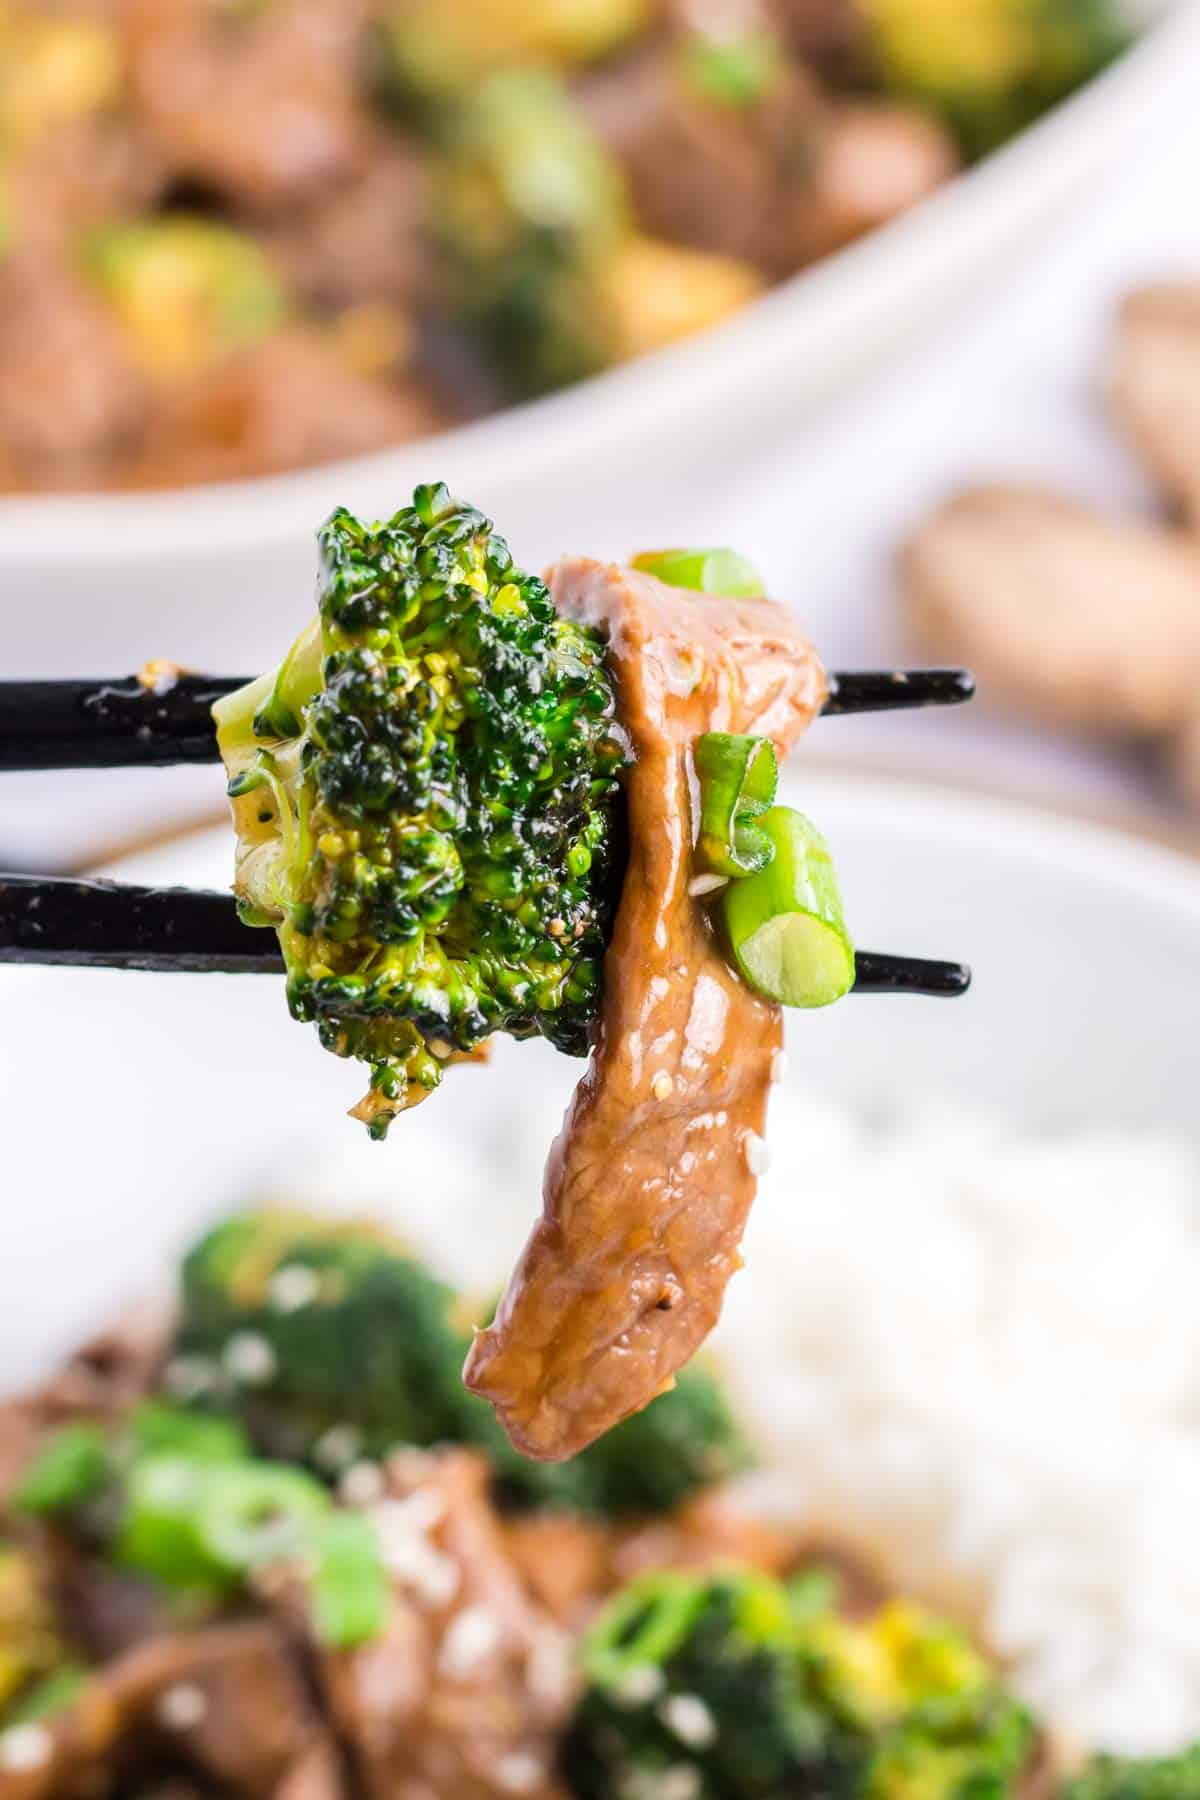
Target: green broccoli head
<point>1151,1778</point>
<point>331,1342</point>
<point>732,1687</point>
<point>694,1683</point>
<point>30,1645</point>
<point>528,210</point>
<point>318,1333</point>
<point>990,67</point>
<point>425,796</point>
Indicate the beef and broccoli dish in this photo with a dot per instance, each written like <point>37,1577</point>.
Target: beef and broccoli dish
<point>240,236</point>
<point>258,1542</point>
<point>465,802</point>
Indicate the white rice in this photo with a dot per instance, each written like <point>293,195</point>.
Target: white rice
<point>980,1353</point>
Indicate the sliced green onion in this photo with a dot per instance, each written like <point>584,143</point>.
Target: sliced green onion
<point>704,571</point>
<point>784,925</point>
<point>349,1594</point>
<point>195,1523</point>
<point>73,1467</point>
<point>51,1695</point>
<point>737,72</point>
<point>252,1514</point>
<point>157,1428</point>
<point>738,777</point>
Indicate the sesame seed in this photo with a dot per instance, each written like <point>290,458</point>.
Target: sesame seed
<point>24,1747</point>
<point>441,1049</point>
<point>520,1772</point>
<point>639,1685</point>
<point>700,885</point>
<point>187,1377</point>
<point>249,1358</point>
<point>680,1782</point>
<point>757,1152</point>
<point>469,1640</point>
<point>689,1719</point>
<point>181,1708</point>
<point>362,1485</point>
<point>779,1066</point>
<point>337,1448</point>
<point>292,1287</point>
<point>548,1668</point>
<point>663,1085</point>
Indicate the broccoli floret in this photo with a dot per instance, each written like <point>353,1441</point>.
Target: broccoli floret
<point>432,51</point>
<point>734,1689</point>
<point>696,1681</point>
<point>355,1340</point>
<point>990,67</point>
<point>30,1646</point>
<point>425,796</point>
<point>528,208</point>
<point>331,1343</point>
<point>188,291</point>
<point>1127,1778</point>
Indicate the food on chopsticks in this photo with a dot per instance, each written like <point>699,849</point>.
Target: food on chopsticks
<point>452,205</point>
<point>464,801</point>
<point>1083,618</point>
<point>181,1616</point>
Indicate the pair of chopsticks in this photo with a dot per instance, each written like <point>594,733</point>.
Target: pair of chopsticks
<point>163,716</point>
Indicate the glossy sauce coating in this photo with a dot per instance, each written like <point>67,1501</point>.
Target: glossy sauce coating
<point>649,1183</point>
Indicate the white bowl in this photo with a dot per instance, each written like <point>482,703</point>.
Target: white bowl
<point>136,1106</point>
<point>209,574</point>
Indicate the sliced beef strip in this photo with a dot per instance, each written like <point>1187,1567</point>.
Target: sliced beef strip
<point>70,396</point>
<point>260,104</point>
<point>227,1702</point>
<point>1060,611</point>
<point>1155,385</point>
<point>465,1692</point>
<point>648,1187</point>
<point>289,403</point>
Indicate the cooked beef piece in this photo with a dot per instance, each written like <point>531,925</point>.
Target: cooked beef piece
<point>259,103</point>
<point>105,1611</point>
<point>1085,620</point>
<point>828,34</point>
<point>648,1187</point>
<point>70,396</point>
<point>113,1369</point>
<point>465,1692</point>
<point>228,1703</point>
<point>564,1559</point>
<point>362,240</point>
<point>78,175</point>
<point>287,403</point>
<point>776,183</point>
<point>1155,385</point>
<point>876,161</point>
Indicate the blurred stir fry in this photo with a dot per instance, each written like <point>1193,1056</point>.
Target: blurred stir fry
<point>239,236</point>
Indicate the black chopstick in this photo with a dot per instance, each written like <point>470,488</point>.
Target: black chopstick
<point>895,690</point>
<point>113,925</point>
<point>162,715</point>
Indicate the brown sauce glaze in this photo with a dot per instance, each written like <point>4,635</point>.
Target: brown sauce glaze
<point>648,1186</point>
